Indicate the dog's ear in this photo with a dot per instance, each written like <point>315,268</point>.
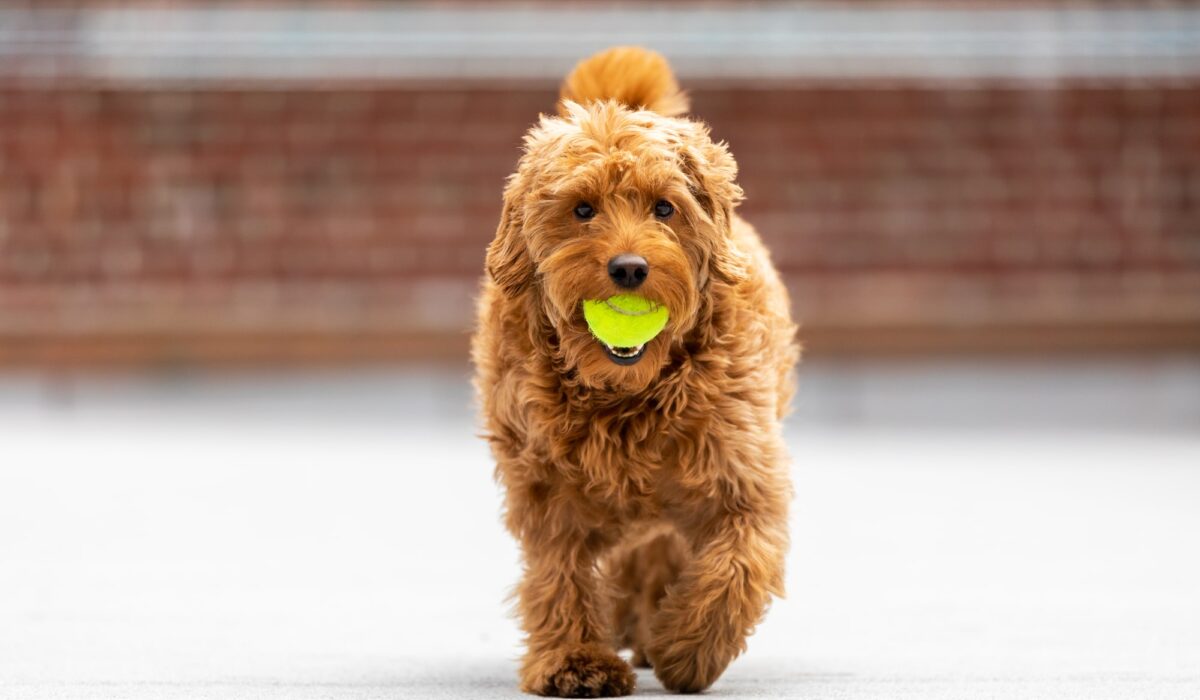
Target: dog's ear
<point>712,180</point>
<point>508,262</point>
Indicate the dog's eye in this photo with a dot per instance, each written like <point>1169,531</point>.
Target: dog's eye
<point>663,209</point>
<point>584,211</point>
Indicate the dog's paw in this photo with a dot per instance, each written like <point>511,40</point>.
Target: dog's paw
<point>686,671</point>
<point>589,671</point>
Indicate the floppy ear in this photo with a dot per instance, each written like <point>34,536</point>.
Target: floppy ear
<point>711,174</point>
<point>508,262</point>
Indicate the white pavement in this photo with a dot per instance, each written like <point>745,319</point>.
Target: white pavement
<point>340,538</point>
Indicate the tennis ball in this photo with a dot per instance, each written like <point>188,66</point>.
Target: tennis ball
<point>624,320</point>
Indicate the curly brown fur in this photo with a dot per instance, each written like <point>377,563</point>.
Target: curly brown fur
<point>650,501</point>
<point>640,569</point>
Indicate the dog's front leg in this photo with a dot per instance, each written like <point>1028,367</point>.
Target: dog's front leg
<point>564,614</point>
<point>722,593</point>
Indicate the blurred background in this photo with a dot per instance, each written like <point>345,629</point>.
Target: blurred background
<point>199,183</point>
<point>239,245</point>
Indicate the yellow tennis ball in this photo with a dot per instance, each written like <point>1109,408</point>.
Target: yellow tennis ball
<point>625,320</point>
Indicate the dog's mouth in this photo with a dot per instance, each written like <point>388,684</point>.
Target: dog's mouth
<point>623,356</point>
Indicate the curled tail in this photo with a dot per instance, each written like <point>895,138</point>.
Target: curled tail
<point>631,75</point>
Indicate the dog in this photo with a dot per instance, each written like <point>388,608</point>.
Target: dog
<point>648,486</point>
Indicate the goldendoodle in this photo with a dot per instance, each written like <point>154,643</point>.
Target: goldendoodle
<point>647,483</point>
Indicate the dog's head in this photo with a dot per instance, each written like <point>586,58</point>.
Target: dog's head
<point>606,200</point>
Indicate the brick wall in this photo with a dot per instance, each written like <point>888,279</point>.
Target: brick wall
<point>289,185</point>
<point>208,224</point>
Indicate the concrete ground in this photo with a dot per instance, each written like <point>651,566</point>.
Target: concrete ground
<point>960,531</point>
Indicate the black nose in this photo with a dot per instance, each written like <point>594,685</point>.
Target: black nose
<point>628,270</point>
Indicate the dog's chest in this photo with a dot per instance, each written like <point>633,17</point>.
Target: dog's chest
<point>617,459</point>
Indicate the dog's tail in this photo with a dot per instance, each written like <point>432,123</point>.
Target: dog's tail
<point>631,75</point>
